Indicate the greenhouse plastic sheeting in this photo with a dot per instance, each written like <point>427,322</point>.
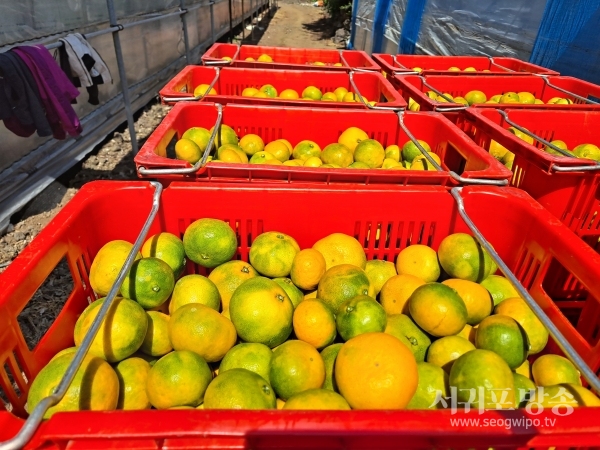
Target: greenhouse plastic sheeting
<point>480,27</point>
<point>363,16</point>
<point>393,27</point>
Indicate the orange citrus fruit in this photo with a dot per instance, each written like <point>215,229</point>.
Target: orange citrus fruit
<point>376,371</point>
<point>396,291</point>
<point>279,150</point>
<point>339,248</point>
<point>537,334</point>
<point>317,399</point>
<point>229,276</point>
<point>308,267</point>
<point>295,294</point>
<point>225,135</point>
<point>157,342</point>
<point>444,351</point>
<point>549,369</point>
<point>433,381</point>
<point>438,309</point>
<point>107,263</point>
<point>251,144</point>
<point>203,330</point>
<point>477,299</point>
<point>504,336</point>
<point>133,374</point>
<point>499,288</point>
<point>296,366</point>
<point>314,323</point>
<point>351,137</point>
<point>261,312</point>
<point>169,248</point>
<point>420,261</point>
<point>202,89</point>
<point>250,356</point>
<point>209,242</point>
<point>370,152</point>
<point>524,388</point>
<point>402,327</point>
<point>410,151</point>
<point>342,282</point>
<point>194,289</point>
<point>306,149</point>
<point>461,256</point>
<point>361,314</point>
<point>187,150</point>
<point>337,154</point>
<point>95,386</point>
<point>121,333</point>
<point>150,282</point>
<point>312,93</point>
<point>272,254</point>
<point>289,94</point>
<point>379,272</point>
<point>239,389</point>
<point>329,355</point>
<point>179,378</point>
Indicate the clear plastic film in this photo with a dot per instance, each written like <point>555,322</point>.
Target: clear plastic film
<point>393,27</point>
<point>480,27</point>
<point>365,15</point>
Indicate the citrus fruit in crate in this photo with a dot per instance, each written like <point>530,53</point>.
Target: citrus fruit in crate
<point>476,298</point>
<point>339,248</point>
<point>121,333</point>
<point>483,379</point>
<point>209,242</point>
<point>402,327</point>
<point>308,267</point>
<point>203,89</point>
<point>433,381</point>
<point>376,371</point>
<point>537,334</point>
<point>107,263</point>
<point>272,254</point>
<point>169,248</point>
<point>133,374</point>
<point>379,271</point>
<point>306,149</point>
<point>339,93</point>
<point>229,276</point>
<point>329,97</point>
<point>270,90</point>
<point>396,291</point>
<point>438,309</point>
<point>179,378</point>
<point>157,342</point>
<point>504,336</point>
<point>410,151</point>
<point>312,93</point>
<point>420,261</point>
<point>551,369</point>
<point>203,330</point>
<point>562,396</point>
<point>265,58</point>
<point>329,355</point>
<point>317,399</point>
<point>461,256</point>
<point>499,288</point>
<point>524,389</point>
<point>263,157</point>
<point>225,135</point>
<point>393,152</point>
<point>468,332</point>
<point>239,389</point>
<point>342,282</point>
<point>289,94</point>
<point>95,386</point>
<point>250,356</point>
<point>261,312</point>
<point>279,150</point>
<point>200,136</point>
<point>150,282</point>
<point>251,144</point>
<point>195,289</point>
<point>187,150</point>
<point>359,315</point>
<point>296,366</point>
<point>370,152</point>
<point>295,294</point>
<point>351,137</point>
<point>337,154</point>
<point>314,323</point>
<point>249,92</point>
<point>444,351</point>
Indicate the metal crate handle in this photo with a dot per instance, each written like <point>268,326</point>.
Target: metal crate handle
<point>433,162</point>
<point>562,342</point>
<point>224,62</point>
<point>200,163</point>
<point>35,418</point>
<point>362,100</point>
<point>494,63</point>
<point>564,91</point>
<point>556,167</point>
<point>197,98</point>
<point>444,108</point>
<point>405,70</point>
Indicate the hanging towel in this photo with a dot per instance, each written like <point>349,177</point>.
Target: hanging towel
<point>21,107</point>
<point>85,66</point>
<point>56,90</point>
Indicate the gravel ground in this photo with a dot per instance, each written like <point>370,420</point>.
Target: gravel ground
<point>111,160</point>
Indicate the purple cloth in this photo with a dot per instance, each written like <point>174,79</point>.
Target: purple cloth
<point>56,90</point>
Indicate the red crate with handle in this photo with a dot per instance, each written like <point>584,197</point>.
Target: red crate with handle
<point>439,65</point>
<point>568,187</point>
<point>582,94</point>
<point>535,246</point>
<point>459,155</point>
<point>288,58</point>
<point>230,82</point>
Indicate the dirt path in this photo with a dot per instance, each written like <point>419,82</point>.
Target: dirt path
<point>295,24</point>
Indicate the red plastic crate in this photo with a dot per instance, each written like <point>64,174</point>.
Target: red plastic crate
<point>231,82</point>
<point>324,126</point>
<point>288,58</point>
<point>459,85</point>
<point>392,64</point>
<point>573,197</point>
<point>532,242</point>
